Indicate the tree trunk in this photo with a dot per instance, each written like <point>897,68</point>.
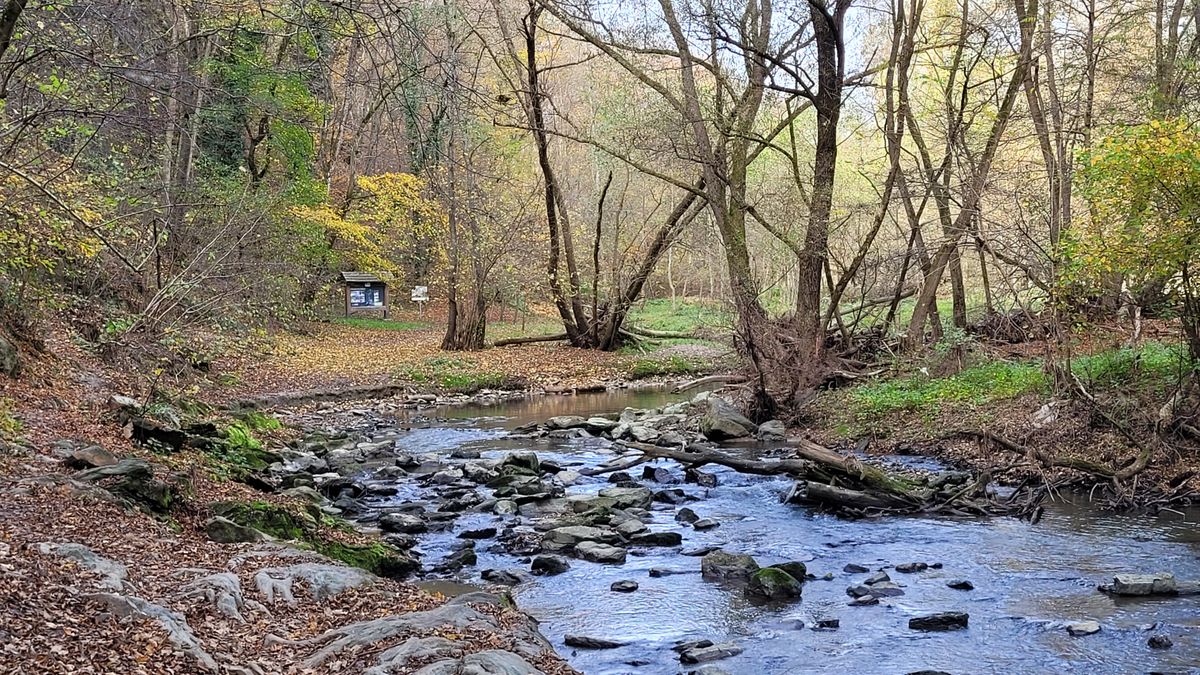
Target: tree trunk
<point>1027,18</point>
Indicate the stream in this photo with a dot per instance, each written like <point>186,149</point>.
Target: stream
<point>1029,581</point>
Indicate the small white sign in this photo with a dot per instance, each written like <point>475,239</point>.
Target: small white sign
<point>420,294</point>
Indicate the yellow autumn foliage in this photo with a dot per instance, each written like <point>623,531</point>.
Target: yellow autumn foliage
<point>386,210</point>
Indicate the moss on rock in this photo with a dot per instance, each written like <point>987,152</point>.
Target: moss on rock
<point>302,528</point>
<point>278,521</point>
<point>773,583</point>
<point>377,557</point>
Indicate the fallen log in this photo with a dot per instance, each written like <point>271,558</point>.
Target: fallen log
<point>662,334</point>
<point>709,379</point>
<point>852,468</point>
<point>818,467</point>
<point>530,339</point>
<point>769,467</point>
<point>810,492</point>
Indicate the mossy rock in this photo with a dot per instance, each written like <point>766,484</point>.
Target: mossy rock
<point>798,570</point>
<point>773,583</point>
<point>722,565</point>
<point>278,521</point>
<point>133,481</point>
<point>283,523</point>
<point>377,557</point>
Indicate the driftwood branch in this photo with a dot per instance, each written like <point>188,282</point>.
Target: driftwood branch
<point>617,464</point>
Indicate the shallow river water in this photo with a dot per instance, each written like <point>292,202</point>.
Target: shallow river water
<point>1030,580</point>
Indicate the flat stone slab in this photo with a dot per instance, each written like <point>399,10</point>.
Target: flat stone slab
<point>600,553</point>
<point>712,652</point>
<point>1161,583</point>
<point>1081,628</point>
<point>940,621</point>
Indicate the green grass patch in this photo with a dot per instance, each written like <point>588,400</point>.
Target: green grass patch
<point>381,324</point>
<point>660,367</point>
<point>652,345</point>
<point>254,420</point>
<point>533,325</point>
<point>455,374</point>
<point>682,316</point>
<point>240,452</point>
<point>1151,364</point>
<point>977,385</point>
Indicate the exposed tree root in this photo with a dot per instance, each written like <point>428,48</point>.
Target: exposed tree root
<point>1039,456</point>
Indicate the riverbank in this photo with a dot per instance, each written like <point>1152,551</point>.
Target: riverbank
<point>997,411</point>
<point>123,548</point>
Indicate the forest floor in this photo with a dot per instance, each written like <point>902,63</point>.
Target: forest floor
<point>407,349</point>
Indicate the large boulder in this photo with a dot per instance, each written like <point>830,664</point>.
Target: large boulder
<point>628,498</point>
<point>566,538</point>
<point>225,531</point>
<point>643,433</point>
<point>600,553</point>
<point>722,565</point>
<point>565,422</point>
<point>523,461</point>
<point>631,527</point>
<point>549,565</point>
<point>722,422</point>
<point>772,583</point>
<point>134,481</point>
<point>276,520</point>
<point>90,457</point>
<point>404,523</point>
<point>772,430</point>
<point>10,358</point>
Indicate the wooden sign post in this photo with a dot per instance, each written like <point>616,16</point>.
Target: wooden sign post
<point>420,295</point>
